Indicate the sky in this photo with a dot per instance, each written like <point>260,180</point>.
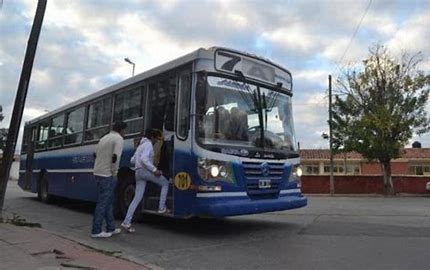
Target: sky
<point>83,44</point>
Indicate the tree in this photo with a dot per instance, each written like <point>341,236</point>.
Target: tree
<point>379,107</point>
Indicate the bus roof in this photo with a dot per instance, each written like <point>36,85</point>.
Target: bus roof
<point>201,53</point>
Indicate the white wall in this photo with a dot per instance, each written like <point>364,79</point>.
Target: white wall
<point>14,170</point>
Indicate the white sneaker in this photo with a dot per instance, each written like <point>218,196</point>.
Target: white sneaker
<point>101,235</point>
<point>128,228</point>
<point>116,231</point>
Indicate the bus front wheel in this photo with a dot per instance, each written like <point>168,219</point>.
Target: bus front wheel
<point>42,189</point>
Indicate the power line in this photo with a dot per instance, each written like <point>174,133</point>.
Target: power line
<point>352,38</point>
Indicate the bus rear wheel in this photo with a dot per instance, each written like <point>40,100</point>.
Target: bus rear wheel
<point>42,189</point>
<point>126,191</point>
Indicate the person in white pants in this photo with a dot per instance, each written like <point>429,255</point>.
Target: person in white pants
<point>143,159</point>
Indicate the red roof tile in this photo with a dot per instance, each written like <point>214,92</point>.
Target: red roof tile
<point>324,154</point>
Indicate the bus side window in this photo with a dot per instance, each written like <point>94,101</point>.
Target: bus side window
<point>169,118</point>
<point>161,103</point>
<point>184,100</point>
<point>33,135</point>
<point>74,126</point>
<point>42,136</point>
<point>128,109</point>
<point>56,132</point>
<point>99,118</point>
<point>25,140</point>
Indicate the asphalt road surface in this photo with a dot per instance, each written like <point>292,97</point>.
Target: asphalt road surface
<point>331,233</point>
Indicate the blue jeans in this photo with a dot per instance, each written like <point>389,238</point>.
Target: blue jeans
<point>142,176</point>
<point>104,211</point>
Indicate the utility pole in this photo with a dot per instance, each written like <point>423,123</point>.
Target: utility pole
<point>331,136</point>
<point>21,95</point>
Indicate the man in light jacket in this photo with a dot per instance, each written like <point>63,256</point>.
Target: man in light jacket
<point>106,164</point>
<point>143,159</point>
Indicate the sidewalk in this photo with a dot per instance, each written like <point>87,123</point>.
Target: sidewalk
<point>34,248</point>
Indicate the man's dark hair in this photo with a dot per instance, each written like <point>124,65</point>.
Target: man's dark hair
<point>119,126</point>
<point>152,133</point>
<point>149,133</point>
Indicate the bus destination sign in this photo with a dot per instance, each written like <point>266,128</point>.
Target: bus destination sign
<point>250,67</point>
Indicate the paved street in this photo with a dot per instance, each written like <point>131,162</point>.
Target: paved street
<point>331,233</point>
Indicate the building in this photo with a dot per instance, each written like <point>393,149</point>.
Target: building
<point>414,161</point>
<point>14,170</point>
<point>354,174</point>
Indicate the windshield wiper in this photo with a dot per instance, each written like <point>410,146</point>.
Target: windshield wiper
<point>274,97</point>
<point>244,96</point>
<point>264,106</point>
<point>258,103</point>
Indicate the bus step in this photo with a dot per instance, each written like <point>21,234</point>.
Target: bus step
<point>151,203</point>
<point>153,212</point>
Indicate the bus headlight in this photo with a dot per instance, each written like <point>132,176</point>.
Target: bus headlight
<point>215,170</point>
<point>223,171</point>
<point>296,172</point>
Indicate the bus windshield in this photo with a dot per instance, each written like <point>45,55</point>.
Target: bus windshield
<point>228,115</point>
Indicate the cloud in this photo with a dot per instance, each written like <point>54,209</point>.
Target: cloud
<point>32,112</point>
<point>413,36</point>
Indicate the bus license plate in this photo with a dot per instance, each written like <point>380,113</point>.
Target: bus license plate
<point>264,183</point>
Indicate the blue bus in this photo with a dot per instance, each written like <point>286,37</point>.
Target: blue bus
<point>228,137</point>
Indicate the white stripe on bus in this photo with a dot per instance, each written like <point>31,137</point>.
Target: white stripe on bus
<point>290,191</point>
<point>64,171</point>
<point>221,194</point>
<point>239,194</point>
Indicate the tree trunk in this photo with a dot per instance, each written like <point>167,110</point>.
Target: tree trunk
<point>388,181</point>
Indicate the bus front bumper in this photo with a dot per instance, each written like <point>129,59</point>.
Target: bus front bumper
<point>244,206</point>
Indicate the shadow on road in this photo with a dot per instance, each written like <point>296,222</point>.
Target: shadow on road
<point>70,204</point>
<point>216,228</point>
<point>206,227</point>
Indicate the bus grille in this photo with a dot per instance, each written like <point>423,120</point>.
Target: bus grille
<point>256,171</point>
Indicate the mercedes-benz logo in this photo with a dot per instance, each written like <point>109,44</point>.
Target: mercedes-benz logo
<point>265,169</point>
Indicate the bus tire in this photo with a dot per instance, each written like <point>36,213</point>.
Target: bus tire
<point>42,189</point>
<point>126,188</point>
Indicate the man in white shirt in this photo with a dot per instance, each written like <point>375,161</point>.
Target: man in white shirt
<point>143,159</point>
<point>106,164</point>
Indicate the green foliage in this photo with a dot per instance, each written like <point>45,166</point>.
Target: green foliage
<point>3,137</point>
<point>381,106</point>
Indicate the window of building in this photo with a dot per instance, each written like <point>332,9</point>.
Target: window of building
<point>419,169</point>
<point>128,109</point>
<point>353,169</point>
<point>337,168</point>
<point>311,169</point>
<point>340,168</point>
<point>42,135</point>
<point>56,132</point>
<point>99,118</point>
<point>74,126</point>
